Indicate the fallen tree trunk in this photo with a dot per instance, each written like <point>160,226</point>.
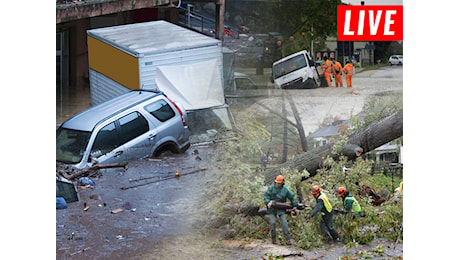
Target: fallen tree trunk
<point>255,210</point>
<point>247,210</point>
<point>359,142</point>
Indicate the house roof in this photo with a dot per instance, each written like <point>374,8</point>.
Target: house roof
<point>332,130</point>
<point>326,131</point>
<point>387,147</point>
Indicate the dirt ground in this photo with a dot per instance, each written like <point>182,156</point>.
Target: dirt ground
<point>161,215</point>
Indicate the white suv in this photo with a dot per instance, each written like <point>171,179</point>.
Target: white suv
<point>134,125</point>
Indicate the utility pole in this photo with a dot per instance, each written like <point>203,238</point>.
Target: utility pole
<point>220,11</point>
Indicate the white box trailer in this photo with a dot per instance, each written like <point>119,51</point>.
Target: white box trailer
<point>126,57</point>
<point>186,65</point>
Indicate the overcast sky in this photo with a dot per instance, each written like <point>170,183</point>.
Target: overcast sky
<point>374,2</point>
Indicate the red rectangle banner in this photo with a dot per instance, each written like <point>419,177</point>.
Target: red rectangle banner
<point>369,23</point>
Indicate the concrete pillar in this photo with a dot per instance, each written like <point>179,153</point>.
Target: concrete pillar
<point>79,50</point>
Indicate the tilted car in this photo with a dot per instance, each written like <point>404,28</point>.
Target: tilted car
<point>135,125</point>
<point>395,60</point>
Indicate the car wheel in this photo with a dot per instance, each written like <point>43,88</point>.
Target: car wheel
<point>310,83</point>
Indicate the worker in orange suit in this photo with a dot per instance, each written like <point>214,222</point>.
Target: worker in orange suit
<point>337,70</point>
<point>327,70</point>
<point>348,71</point>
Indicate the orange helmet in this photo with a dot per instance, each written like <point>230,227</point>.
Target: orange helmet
<point>279,179</point>
<point>341,191</point>
<point>315,190</point>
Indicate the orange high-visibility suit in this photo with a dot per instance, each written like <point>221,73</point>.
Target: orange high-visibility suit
<point>348,70</point>
<point>337,69</point>
<point>327,71</point>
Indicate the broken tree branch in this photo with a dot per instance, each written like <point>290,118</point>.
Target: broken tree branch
<point>299,126</point>
<point>163,179</point>
<point>96,167</point>
<point>276,113</point>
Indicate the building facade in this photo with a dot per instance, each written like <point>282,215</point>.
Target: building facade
<point>74,18</point>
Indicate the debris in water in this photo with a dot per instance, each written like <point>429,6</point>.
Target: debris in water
<point>127,206</point>
<point>115,211</point>
<point>95,197</point>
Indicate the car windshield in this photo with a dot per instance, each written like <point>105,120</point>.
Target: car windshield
<point>70,145</point>
<point>289,66</point>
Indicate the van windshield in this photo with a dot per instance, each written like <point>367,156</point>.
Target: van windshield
<point>290,65</point>
<point>71,145</point>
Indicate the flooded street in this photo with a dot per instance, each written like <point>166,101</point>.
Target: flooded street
<point>154,204</point>
<point>317,104</point>
<point>69,104</point>
<point>146,212</point>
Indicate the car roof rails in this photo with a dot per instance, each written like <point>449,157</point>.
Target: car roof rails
<point>147,90</point>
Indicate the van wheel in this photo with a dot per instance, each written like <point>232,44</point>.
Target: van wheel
<point>310,83</point>
<point>323,81</point>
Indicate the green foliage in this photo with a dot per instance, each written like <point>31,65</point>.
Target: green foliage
<point>333,175</point>
<point>292,177</point>
<point>237,183</point>
<point>304,20</point>
<point>379,107</point>
<point>379,250</point>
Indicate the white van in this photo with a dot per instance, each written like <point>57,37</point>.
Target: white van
<point>297,70</point>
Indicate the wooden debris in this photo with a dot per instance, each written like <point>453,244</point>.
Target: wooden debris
<point>115,211</point>
<point>376,199</point>
<point>163,179</point>
<point>95,167</point>
<point>80,251</point>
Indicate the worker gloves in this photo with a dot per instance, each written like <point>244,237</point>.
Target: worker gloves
<point>269,205</point>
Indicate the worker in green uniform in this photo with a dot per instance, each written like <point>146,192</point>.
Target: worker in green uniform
<point>350,204</point>
<point>278,193</point>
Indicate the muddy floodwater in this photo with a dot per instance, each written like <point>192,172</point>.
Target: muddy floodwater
<point>129,211</point>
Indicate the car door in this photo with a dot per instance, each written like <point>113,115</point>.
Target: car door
<point>168,124</point>
<point>137,137</point>
<point>107,147</point>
